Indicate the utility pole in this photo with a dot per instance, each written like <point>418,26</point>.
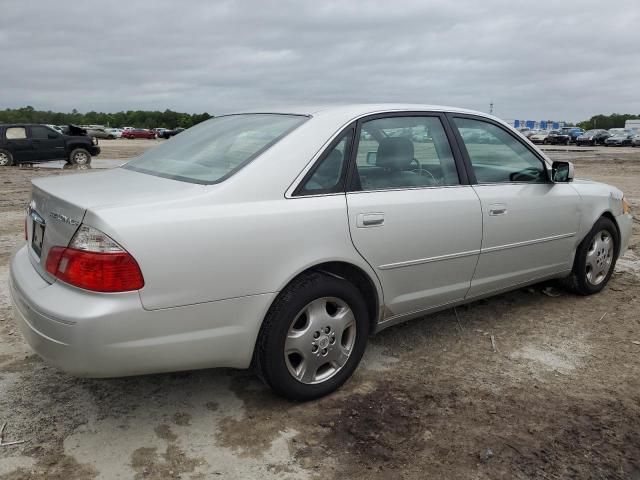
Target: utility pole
<point>491,108</point>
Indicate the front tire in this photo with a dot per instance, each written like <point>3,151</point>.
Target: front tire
<point>313,337</point>
<point>595,259</point>
<point>6,158</point>
<point>80,156</point>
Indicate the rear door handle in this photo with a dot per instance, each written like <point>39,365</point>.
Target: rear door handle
<point>374,219</point>
<point>497,209</point>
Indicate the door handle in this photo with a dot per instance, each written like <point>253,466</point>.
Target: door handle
<point>370,220</point>
<point>497,209</point>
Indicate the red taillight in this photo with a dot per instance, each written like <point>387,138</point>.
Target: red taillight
<point>97,271</point>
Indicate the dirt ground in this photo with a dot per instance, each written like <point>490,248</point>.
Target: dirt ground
<point>559,398</point>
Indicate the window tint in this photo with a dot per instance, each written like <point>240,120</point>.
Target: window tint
<point>40,133</point>
<point>496,156</point>
<point>327,176</point>
<point>16,133</point>
<point>404,152</point>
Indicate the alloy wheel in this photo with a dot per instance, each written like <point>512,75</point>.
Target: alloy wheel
<point>4,159</point>
<point>320,340</point>
<point>599,257</point>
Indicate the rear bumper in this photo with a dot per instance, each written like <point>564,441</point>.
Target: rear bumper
<point>110,335</point>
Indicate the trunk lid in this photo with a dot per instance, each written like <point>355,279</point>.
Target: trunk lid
<point>58,204</point>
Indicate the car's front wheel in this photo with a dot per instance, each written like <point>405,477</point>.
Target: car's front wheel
<point>6,159</point>
<point>80,156</point>
<point>313,337</point>
<point>595,259</point>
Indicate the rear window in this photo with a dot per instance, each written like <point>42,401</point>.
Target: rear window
<point>214,150</point>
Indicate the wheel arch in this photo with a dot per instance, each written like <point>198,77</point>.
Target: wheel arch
<point>366,282</point>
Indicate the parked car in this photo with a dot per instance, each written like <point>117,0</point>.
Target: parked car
<point>540,137</point>
<point>593,137</point>
<point>558,137</point>
<point>27,143</point>
<point>635,141</point>
<point>573,132</point>
<point>115,132</point>
<point>620,139</point>
<point>138,133</point>
<point>99,132</point>
<point>172,133</point>
<point>198,241</point>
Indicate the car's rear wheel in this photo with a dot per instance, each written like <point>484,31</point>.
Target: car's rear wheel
<point>595,259</point>
<point>80,156</point>
<point>313,337</point>
<point>6,159</point>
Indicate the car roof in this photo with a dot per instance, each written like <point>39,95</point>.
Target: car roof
<point>358,109</point>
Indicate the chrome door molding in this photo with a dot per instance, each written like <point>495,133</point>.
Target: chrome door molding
<point>528,242</point>
<point>420,261</point>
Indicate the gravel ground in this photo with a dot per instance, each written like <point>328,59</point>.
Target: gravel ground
<point>560,398</point>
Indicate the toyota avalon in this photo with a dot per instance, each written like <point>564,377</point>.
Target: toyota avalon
<point>282,240</point>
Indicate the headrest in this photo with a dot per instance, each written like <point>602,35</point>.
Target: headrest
<point>395,153</point>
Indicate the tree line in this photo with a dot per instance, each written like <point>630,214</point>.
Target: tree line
<point>133,118</point>
<point>615,120</point>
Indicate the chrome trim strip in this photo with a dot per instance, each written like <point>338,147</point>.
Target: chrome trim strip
<point>527,242</point>
<point>420,261</point>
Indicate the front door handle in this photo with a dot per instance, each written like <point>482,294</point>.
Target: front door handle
<point>374,219</point>
<point>497,209</point>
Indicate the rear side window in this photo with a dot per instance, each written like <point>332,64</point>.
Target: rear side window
<point>328,175</point>
<point>496,156</point>
<point>403,152</point>
<point>16,133</point>
<point>213,150</point>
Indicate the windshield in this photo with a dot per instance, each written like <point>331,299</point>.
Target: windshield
<point>214,150</point>
<point>591,132</point>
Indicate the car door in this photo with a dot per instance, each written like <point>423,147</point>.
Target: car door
<point>529,222</point>
<point>19,143</point>
<point>412,217</point>
<point>47,143</point>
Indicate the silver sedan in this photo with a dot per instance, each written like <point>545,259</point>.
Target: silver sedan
<point>282,240</point>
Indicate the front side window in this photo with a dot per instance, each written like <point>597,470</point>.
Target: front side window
<point>16,133</point>
<point>41,133</point>
<point>496,156</point>
<point>404,152</point>
<point>327,177</point>
<point>213,150</point>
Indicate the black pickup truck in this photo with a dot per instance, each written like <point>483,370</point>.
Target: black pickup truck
<point>29,143</point>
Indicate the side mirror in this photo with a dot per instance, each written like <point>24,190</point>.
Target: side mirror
<point>562,172</point>
<point>371,158</point>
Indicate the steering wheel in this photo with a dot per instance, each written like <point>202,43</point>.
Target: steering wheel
<point>525,175</point>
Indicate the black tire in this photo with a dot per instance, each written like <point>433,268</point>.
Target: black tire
<point>269,357</point>
<point>79,156</point>
<point>578,282</point>
<point>6,158</point>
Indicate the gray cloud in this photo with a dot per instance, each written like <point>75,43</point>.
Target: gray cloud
<point>534,59</point>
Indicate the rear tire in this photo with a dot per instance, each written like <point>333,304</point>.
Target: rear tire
<point>313,337</point>
<point>80,156</point>
<point>595,259</point>
<point>6,158</point>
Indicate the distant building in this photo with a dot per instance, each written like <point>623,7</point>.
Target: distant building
<point>632,125</point>
<point>538,124</point>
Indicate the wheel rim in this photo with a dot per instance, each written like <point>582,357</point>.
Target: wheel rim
<point>80,158</point>
<point>599,257</point>
<point>320,340</point>
<point>4,159</point>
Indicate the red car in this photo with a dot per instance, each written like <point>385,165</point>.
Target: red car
<point>139,133</point>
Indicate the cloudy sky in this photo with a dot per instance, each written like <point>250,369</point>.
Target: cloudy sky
<point>534,59</point>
